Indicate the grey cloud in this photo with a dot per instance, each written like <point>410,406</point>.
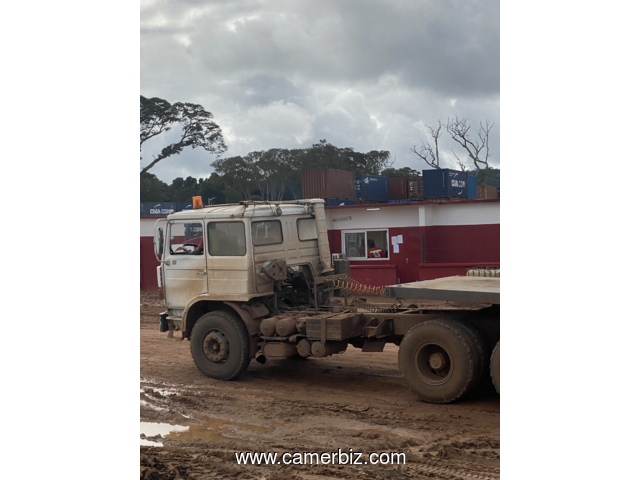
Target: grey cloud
<point>364,74</point>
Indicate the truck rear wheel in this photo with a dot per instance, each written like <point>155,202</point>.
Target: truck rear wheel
<point>220,345</point>
<point>495,367</point>
<point>439,361</point>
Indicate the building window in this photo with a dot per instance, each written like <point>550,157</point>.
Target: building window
<point>226,239</point>
<point>266,233</point>
<point>307,229</point>
<point>366,244</point>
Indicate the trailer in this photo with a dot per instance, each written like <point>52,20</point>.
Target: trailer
<point>254,280</point>
<point>445,357</point>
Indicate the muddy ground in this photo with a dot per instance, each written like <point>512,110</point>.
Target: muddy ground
<point>349,401</point>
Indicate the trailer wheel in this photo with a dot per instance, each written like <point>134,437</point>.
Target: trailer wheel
<point>478,350</point>
<point>220,345</point>
<point>495,367</point>
<point>438,361</point>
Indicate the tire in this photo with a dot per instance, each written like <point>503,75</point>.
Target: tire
<point>495,367</point>
<point>478,349</point>
<point>220,345</point>
<point>439,361</point>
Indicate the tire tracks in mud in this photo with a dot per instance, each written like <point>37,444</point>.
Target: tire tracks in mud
<point>447,455</point>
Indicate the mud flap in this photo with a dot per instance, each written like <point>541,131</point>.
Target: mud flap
<point>164,323</point>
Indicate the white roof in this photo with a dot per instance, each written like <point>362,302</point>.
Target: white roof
<point>240,211</point>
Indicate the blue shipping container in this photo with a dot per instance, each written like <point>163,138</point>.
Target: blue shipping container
<point>472,187</point>
<point>444,182</point>
<point>184,206</point>
<point>158,209</point>
<point>141,209</point>
<point>371,188</point>
<point>332,202</point>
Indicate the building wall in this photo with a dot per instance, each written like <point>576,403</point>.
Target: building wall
<point>454,236</point>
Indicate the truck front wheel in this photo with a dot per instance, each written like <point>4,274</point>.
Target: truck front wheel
<point>438,361</point>
<point>495,367</point>
<point>220,345</point>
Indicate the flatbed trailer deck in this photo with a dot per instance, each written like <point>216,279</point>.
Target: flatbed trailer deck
<point>455,289</point>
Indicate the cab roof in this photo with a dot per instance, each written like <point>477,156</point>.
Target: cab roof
<point>248,209</point>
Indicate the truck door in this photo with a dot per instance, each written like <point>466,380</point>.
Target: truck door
<point>229,260</point>
<point>185,264</point>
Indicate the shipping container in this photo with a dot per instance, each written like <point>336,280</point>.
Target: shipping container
<point>486,192</point>
<point>404,200</point>
<point>184,206</point>
<point>332,202</point>
<point>398,188</point>
<point>328,183</point>
<point>371,188</point>
<point>444,182</point>
<point>158,209</point>
<point>415,188</point>
<point>141,209</point>
<point>472,187</point>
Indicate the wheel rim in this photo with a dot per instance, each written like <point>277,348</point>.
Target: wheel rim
<point>216,346</point>
<point>434,363</point>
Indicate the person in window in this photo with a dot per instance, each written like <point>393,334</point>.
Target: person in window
<point>375,252</point>
<point>361,252</point>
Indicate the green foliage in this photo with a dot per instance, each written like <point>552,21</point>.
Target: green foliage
<point>152,189</point>
<point>198,128</point>
<point>232,195</point>
<point>182,189</point>
<point>276,174</point>
<point>489,177</point>
<point>403,172</point>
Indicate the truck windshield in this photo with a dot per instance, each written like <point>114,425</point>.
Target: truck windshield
<point>226,239</point>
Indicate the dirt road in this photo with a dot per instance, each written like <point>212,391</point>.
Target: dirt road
<point>353,402</point>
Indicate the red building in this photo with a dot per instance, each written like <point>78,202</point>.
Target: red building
<point>420,240</point>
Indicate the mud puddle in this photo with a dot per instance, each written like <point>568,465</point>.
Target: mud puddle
<point>152,433</point>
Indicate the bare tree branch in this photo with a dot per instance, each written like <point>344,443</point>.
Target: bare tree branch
<point>428,152</point>
<point>477,149</point>
<point>462,166</point>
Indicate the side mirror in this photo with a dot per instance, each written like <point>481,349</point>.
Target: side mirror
<point>158,243</point>
<point>160,240</point>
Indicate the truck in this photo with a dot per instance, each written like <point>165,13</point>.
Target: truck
<point>255,280</point>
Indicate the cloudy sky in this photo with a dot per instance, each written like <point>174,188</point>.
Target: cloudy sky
<point>367,74</point>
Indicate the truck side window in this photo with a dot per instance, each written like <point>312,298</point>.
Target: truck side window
<point>226,239</point>
<point>268,232</point>
<point>307,229</point>
<point>185,239</point>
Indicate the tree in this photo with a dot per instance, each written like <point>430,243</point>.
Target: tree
<point>274,167</point>
<point>403,172</point>
<point>427,152</point>
<point>459,129</point>
<point>198,128</point>
<point>152,189</point>
<point>239,173</point>
<point>477,149</point>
